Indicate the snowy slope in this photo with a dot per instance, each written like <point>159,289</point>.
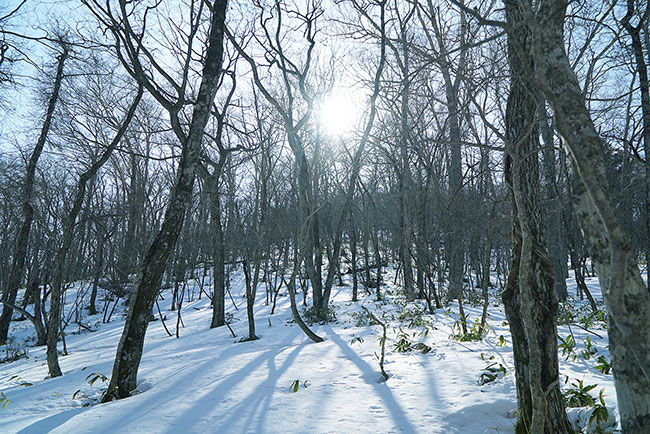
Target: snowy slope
<point>205,382</point>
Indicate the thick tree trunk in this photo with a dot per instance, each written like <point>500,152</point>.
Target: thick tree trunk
<point>537,302</point>
<point>626,297</point>
<point>512,306</point>
<point>129,350</point>
<point>18,262</point>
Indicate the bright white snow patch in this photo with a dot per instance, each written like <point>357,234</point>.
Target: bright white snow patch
<point>204,382</point>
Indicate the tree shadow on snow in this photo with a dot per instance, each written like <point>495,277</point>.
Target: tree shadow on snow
<point>394,409</point>
<point>481,418</point>
<point>255,403</point>
<point>51,422</point>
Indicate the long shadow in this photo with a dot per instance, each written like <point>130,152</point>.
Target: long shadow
<point>133,408</point>
<point>395,410</point>
<point>207,402</point>
<point>51,422</point>
<point>465,420</point>
<point>259,399</point>
<point>433,386</point>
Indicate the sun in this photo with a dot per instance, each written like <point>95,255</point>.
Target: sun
<point>339,113</point>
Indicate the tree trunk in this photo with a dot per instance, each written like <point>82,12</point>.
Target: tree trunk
<point>537,302</point>
<point>626,297</point>
<point>56,296</point>
<point>129,350</point>
<point>353,253</point>
<point>218,244</point>
<point>642,69</point>
<point>250,301</point>
<point>554,224</point>
<point>99,265</point>
<point>18,262</point>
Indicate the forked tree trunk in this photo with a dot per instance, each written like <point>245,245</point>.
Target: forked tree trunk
<point>147,287</point>
<point>625,294</point>
<point>18,262</point>
<point>535,300</point>
<point>54,316</point>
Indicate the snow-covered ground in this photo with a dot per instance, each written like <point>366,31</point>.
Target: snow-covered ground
<point>208,382</point>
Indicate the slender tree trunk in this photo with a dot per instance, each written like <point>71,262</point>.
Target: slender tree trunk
<point>126,254</point>
<point>291,287</point>
<point>487,257</point>
<point>353,253</point>
<point>554,224</point>
<point>54,316</point>
<point>218,248</point>
<point>18,262</point>
<point>250,301</point>
<point>99,265</point>
<point>642,70</point>
<point>455,239</point>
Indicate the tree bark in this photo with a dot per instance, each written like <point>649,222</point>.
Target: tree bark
<point>626,297</point>
<point>129,350</point>
<point>54,316</point>
<point>218,248</point>
<point>532,317</point>
<point>18,262</point>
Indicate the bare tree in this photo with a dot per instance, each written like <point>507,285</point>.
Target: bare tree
<point>530,297</point>
<point>68,230</point>
<point>626,297</point>
<point>18,262</point>
<point>137,59</point>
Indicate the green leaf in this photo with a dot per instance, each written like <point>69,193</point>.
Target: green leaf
<point>590,387</point>
<point>294,386</point>
<point>92,378</point>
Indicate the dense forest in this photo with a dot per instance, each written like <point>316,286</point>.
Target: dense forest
<point>466,156</point>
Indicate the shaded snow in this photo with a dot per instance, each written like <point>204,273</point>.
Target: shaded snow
<point>204,382</point>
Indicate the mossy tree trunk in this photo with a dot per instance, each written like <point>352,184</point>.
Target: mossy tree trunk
<point>530,296</point>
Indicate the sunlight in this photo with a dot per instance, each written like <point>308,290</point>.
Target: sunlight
<point>339,113</point>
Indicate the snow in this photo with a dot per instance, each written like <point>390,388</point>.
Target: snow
<point>208,382</point>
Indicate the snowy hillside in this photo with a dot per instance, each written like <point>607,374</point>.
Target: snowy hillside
<point>207,382</point>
